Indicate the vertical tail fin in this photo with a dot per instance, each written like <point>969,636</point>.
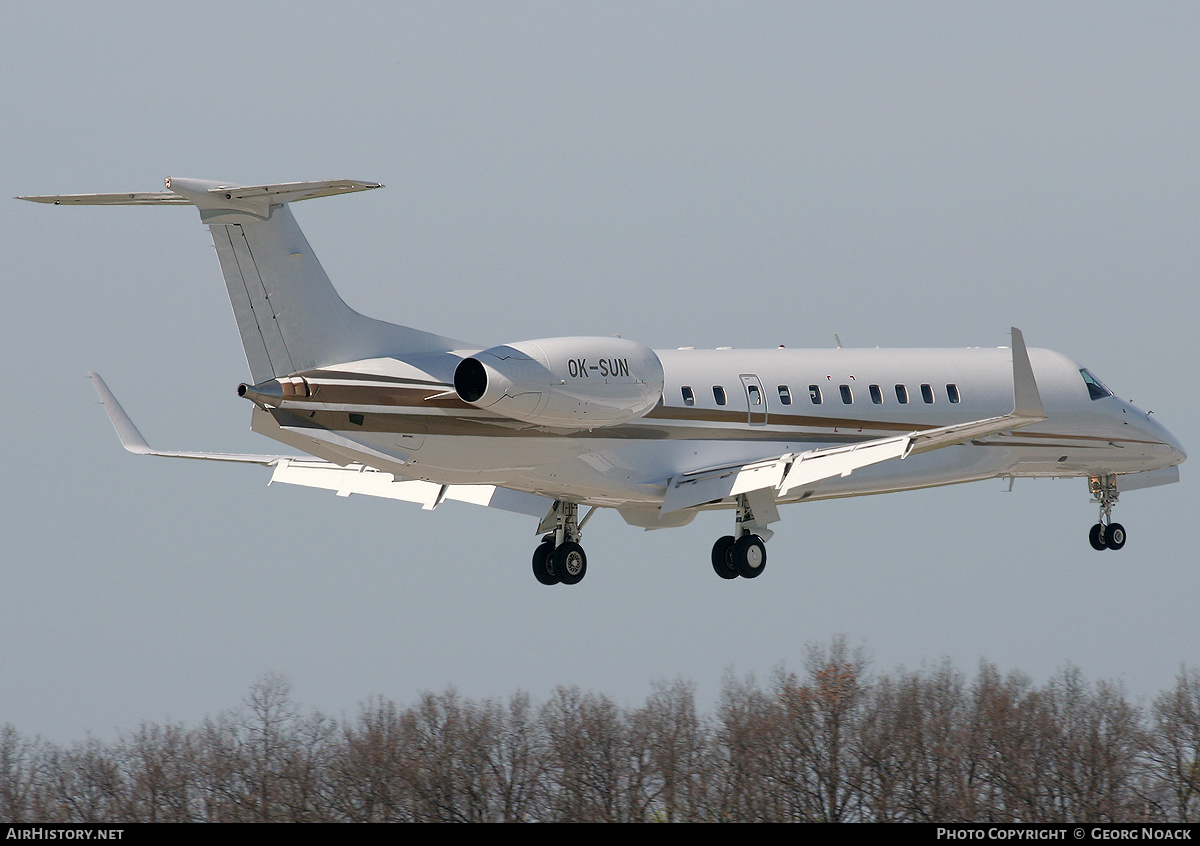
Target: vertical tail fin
<point>289,315</point>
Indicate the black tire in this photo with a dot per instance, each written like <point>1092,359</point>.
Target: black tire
<point>1114,536</point>
<point>543,568</point>
<point>722,560</point>
<point>569,563</point>
<point>1096,537</point>
<point>749,556</point>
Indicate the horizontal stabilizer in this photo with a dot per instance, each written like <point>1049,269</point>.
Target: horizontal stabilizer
<point>293,192</point>
<point>284,192</point>
<point>145,198</point>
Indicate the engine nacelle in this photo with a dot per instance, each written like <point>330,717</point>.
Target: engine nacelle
<point>567,383</point>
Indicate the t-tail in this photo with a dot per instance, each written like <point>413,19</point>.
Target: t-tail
<point>290,317</point>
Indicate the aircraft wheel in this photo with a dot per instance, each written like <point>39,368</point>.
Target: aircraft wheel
<point>749,556</point>
<point>1114,538</point>
<point>569,563</point>
<point>1096,537</point>
<point>721,558</point>
<point>543,570</point>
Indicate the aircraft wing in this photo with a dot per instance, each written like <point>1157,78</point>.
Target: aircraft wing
<point>785,473</point>
<point>133,441</point>
<point>345,480</point>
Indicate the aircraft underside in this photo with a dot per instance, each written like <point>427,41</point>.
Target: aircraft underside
<point>627,474</point>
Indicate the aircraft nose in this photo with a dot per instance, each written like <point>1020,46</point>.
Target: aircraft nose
<point>1177,447</point>
<point>1178,454</point>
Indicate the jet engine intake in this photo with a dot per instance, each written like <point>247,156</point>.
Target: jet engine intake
<point>565,383</point>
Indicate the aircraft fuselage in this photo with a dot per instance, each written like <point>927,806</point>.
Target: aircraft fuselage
<point>728,406</point>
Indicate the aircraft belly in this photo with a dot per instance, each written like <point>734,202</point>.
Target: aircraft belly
<point>631,463</point>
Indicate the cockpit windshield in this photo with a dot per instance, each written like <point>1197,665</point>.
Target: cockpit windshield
<point>1096,388</point>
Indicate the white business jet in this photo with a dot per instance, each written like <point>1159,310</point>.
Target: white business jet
<point>542,427</point>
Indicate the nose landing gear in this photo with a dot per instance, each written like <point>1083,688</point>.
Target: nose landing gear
<point>1105,534</point>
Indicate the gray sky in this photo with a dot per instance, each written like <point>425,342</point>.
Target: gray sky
<point>904,174</point>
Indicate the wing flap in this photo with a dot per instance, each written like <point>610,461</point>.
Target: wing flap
<point>690,489</point>
<point>357,479</point>
<point>818,464</point>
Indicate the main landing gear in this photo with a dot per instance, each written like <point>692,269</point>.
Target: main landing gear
<point>743,553</point>
<point>559,559</point>
<point>1105,534</point>
<point>745,556</point>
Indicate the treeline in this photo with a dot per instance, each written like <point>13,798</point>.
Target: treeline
<point>834,743</point>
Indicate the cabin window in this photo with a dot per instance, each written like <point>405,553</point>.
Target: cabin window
<point>902,394</point>
<point>358,419</point>
<point>927,393</point>
<point>689,397</point>
<point>755,394</point>
<point>847,394</point>
<point>952,392</point>
<point>1096,388</point>
<point>876,395</point>
<point>719,394</point>
<point>814,394</point>
<point>785,395</point>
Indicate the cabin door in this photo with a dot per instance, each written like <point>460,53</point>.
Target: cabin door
<point>756,400</point>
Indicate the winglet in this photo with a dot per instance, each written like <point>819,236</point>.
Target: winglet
<point>1027,402</point>
<point>130,437</point>
<point>133,441</point>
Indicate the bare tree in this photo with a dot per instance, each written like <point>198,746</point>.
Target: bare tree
<point>516,759</point>
<point>366,779</point>
<point>588,758</point>
<point>749,756</point>
<point>1173,751</point>
<point>20,774</point>
<point>677,765</point>
<point>823,716</point>
<point>159,763</point>
<point>833,743</point>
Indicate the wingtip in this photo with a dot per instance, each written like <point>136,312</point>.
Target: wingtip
<point>131,439</point>
<point>1027,400</point>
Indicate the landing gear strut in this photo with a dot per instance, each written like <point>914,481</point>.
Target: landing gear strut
<point>559,559</point>
<point>1105,534</point>
<point>745,554</point>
